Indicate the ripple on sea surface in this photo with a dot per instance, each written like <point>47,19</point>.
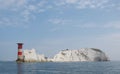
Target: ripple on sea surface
<point>60,68</point>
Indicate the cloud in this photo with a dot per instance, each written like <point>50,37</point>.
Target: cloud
<point>42,3</point>
<point>106,25</point>
<point>79,4</point>
<point>28,9</point>
<point>78,24</point>
<point>58,21</point>
<point>5,4</point>
<point>59,24</point>
<point>20,11</point>
<point>91,4</point>
<point>10,22</point>
<point>26,15</point>
<point>32,7</point>
<point>87,25</point>
<point>71,1</point>
<point>82,4</point>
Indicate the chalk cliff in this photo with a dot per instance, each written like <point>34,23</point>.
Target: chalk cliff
<point>32,56</point>
<point>84,54</point>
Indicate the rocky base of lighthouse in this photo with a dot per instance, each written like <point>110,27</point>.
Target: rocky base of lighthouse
<point>19,60</point>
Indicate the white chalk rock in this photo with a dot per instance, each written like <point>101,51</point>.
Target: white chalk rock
<point>85,54</point>
<point>41,58</point>
<point>31,56</point>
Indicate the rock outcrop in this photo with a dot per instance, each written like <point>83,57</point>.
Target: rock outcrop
<point>85,54</point>
<point>32,56</point>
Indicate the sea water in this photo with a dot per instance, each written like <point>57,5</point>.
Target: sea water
<point>60,68</point>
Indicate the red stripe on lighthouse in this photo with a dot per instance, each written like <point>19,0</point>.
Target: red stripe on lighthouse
<point>19,53</point>
<point>19,46</point>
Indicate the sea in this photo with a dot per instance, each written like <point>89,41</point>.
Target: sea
<point>60,68</point>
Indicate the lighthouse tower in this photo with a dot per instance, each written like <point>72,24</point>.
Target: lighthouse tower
<point>20,55</point>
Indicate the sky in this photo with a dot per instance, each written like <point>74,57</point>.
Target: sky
<point>53,25</point>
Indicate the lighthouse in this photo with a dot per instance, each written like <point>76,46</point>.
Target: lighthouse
<point>20,55</point>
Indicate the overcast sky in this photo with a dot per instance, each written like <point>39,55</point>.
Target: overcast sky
<point>53,25</point>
